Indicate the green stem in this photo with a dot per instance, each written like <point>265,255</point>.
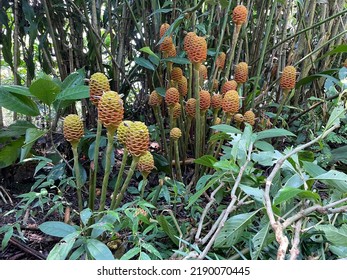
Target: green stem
<point>197,115</point>
<point>119,178</point>
<point>110,134</point>
<point>94,171</point>
<point>77,175</point>
<point>232,51</point>
<point>156,195</point>
<point>263,50</point>
<point>126,182</point>
<point>228,120</point>
<point>177,161</point>
<point>144,184</point>
<point>159,119</point>
<point>283,102</point>
<point>186,139</point>
<point>190,81</point>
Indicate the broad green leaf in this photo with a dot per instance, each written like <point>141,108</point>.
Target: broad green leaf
<point>226,128</point>
<point>255,193</point>
<point>45,90</point>
<point>58,229</point>
<point>335,116</point>
<point>31,135</point>
<point>337,236</point>
<point>148,51</point>
<point>16,129</point>
<point>61,250</point>
<point>18,103</point>
<point>264,146</point>
<point>10,152</point>
<point>295,181</point>
<point>168,229</point>
<point>340,251</point>
<point>264,158</point>
<point>74,93</point>
<point>226,165</point>
<point>85,215</point>
<point>332,175</point>
<point>6,238</point>
<point>260,240</point>
<point>233,230</point>
<point>131,253</point>
<point>161,91</point>
<point>17,89</point>
<point>144,63</point>
<point>206,160</point>
<point>274,132</point>
<point>98,250</point>
<point>339,154</point>
<point>324,74</point>
<point>144,257</point>
<point>150,248</point>
<point>77,254</point>
<point>288,193</point>
<point>74,79</point>
<point>177,60</point>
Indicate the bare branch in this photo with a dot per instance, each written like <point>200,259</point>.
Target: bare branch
<point>294,251</point>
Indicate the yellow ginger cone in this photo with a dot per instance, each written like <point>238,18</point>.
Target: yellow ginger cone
<point>73,128</point>
<point>98,84</point>
<point>231,102</point>
<point>288,78</point>
<point>145,164</point>
<point>249,117</point>
<point>239,15</point>
<point>216,101</point>
<point>166,44</point>
<point>188,39</point>
<point>241,73</point>
<point>205,100</point>
<point>163,28</point>
<point>176,74</point>
<point>176,110</point>
<point>220,62</point>
<point>238,118</point>
<point>175,133</point>
<point>122,131</point>
<point>197,50</point>
<point>172,96</point>
<point>183,86</point>
<point>229,85</point>
<point>172,51</point>
<point>137,140</point>
<point>191,107</point>
<point>111,111</point>
<point>155,99</point>
<point>203,72</point>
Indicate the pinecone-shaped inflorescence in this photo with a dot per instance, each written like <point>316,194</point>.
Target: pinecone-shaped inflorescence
<point>183,86</point>
<point>241,73</point>
<point>228,85</point>
<point>249,117</point>
<point>197,50</point>
<point>137,140</point>
<point>288,78</point>
<point>172,51</point>
<point>122,131</point>
<point>231,102</point>
<point>238,118</point>
<point>163,28</point>
<point>172,96</point>
<point>188,39</point>
<point>239,15</point>
<point>166,45</point>
<point>146,163</point>
<point>176,74</point>
<point>98,84</point>
<point>175,133</point>
<point>203,72</point>
<point>73,128</point>
<point>220,63</point>
<point>216,101</point>
<point>205,100</point>
<point>111,111</point>
<point>176,110</point>
<point>191,107</point>
<point>155,99</point>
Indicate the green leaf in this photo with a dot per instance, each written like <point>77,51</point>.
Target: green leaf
<point>74,79</point>
<point>206,160</point>
<point>255,193</point>
<point>337,236</point>
<point>148,51</point>
<point>63,248</point>
<point>85,215</point>
<point>311,78</point>
<point>161,91</point>
<point>144,63</point>
<point>338,154</point>
<point>226,128</point>
<point>21,90</point>
<point>150,248</point>
<point>31,135</point>
<point>264,146</point>
<point>74,93</point>
<point>58,229</point>
<point>18,103</point>
<point>144,257</point>
<point>274,132</point>
<point>335,116</point>
<point>177,60</point>
<point>288,193</point>
<point>10,152</point>
<point>233,230</point>
<point>131,253</point>
<point>6,238</point>
<point>260,240</point>
<point>168,229</point>
<point>98,250</point>
<point>45,90</point>
<point>16,129</point>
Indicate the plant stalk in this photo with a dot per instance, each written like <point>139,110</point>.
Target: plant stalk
<point>78,176</point>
